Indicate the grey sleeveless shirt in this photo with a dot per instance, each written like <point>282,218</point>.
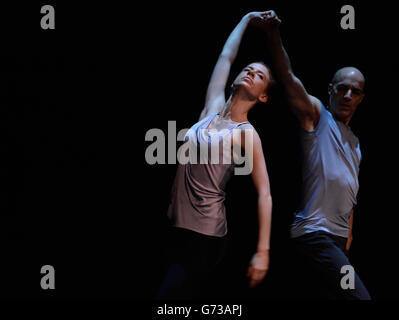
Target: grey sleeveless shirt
<point>198,192</point>
<point>331,159</point>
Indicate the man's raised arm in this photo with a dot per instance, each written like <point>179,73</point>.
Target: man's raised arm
<point>306,107</point>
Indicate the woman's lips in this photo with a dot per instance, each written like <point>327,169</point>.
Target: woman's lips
<point>249,79</point>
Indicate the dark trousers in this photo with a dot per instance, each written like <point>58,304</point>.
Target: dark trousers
<point>192,257</point>
<point>319,257</point>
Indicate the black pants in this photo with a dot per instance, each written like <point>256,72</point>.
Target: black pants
<point>192,257</point>
<point>319,257</point>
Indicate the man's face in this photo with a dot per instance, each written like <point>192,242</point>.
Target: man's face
<point>346,94</point>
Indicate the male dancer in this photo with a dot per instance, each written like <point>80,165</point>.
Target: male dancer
<point>322,228</point>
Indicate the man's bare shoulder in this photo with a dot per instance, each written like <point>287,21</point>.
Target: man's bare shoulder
<point>316,103</point>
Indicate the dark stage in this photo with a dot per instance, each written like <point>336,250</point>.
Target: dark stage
<point>77,102</point>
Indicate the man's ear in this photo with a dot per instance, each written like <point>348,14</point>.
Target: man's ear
<point>263,98</point>
<point>361,98</point>
<point>330,88</point>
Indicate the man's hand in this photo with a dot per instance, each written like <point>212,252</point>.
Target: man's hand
<point>267,20</point>
<point>258,268</point>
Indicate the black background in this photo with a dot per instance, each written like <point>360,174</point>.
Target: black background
<point>76,102</point>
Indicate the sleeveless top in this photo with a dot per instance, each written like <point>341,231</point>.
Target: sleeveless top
<point>331,160</point>
<point>198,192</point>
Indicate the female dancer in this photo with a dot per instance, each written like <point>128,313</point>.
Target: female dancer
<point>197,211</point>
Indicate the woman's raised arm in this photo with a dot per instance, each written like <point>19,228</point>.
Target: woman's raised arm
<point>215,96</point>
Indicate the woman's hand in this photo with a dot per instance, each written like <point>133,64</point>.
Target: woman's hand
<point>266,20</point>
<point>258,268</point>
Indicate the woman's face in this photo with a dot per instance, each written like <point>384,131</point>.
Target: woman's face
<point>255,79</point>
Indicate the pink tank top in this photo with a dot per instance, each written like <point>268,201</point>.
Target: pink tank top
<point>197,197</point>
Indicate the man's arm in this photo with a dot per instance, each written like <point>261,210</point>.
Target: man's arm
<point>350,237</point>
<point>306,107</point>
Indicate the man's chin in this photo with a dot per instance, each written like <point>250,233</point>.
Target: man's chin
<point>343,115</point>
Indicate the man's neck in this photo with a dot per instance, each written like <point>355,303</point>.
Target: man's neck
<point>345,121</point>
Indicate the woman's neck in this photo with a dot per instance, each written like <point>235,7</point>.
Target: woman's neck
<point>236,109</point>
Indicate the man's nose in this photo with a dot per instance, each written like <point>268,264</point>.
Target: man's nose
<point>251,73</point>
<point>348,95</point>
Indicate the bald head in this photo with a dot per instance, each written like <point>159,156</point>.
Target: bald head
<point>348,72</point>
<point>346,92</point>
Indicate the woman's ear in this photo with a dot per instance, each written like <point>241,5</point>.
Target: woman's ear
<point>232,89</point>
<point>263,98</point>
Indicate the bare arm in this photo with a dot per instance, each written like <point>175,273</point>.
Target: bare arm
<point>350,236</point>
<point>215,96</point>
<point>306,107</point>
<point>260,261</point>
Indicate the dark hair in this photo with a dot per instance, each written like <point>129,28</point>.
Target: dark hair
<point>272,82</point>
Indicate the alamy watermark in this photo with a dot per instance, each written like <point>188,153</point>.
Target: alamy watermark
<point>348,20</point>
<point>48,280</point>
<point>348,280</point>
<point>202,146</point>
<point>48,19</point>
